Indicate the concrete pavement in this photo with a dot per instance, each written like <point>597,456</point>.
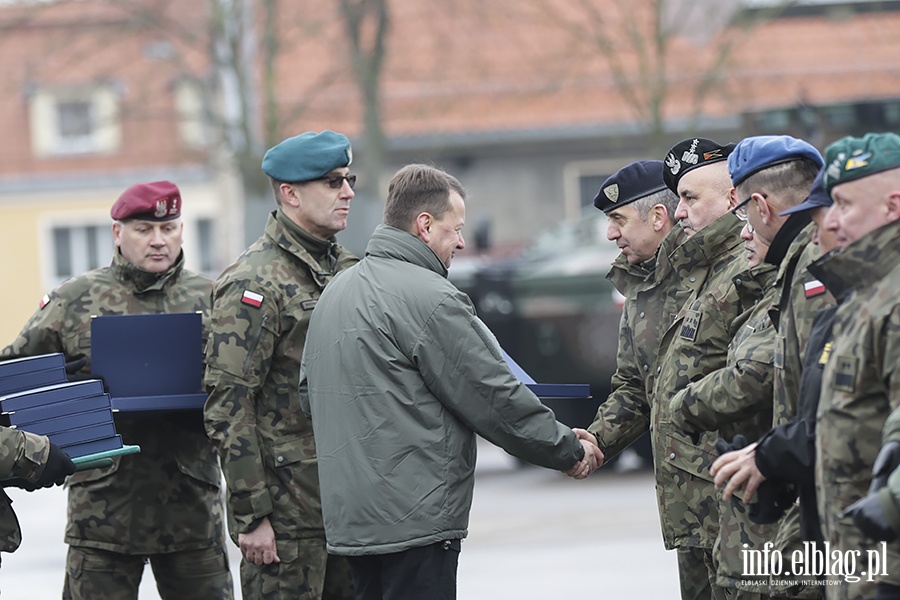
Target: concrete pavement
<point>533,535</point>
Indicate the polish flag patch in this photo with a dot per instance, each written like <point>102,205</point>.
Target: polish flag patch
<point>252,298</point>
<point>45,300</point>
<point>813,288</point>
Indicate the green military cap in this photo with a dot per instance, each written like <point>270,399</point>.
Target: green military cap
<point>850,158</point>
<point>307,156</point>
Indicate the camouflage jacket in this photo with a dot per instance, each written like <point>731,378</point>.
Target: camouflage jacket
<point>625,415</point>
<point>860,383</point>
<point>22,454</point>
<point>798,298</point>
<point>694,345</point>
<point>166,498</point>
<point>736,398</point>
<point>262,305</point>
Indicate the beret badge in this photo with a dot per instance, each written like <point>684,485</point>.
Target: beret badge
<point>612,192</point>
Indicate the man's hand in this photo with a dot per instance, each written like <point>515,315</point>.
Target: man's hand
<point>738,468</point>
<point>258,546</point>
<point>593,456</point>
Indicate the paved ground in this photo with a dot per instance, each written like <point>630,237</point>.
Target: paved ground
<point>533,535</point>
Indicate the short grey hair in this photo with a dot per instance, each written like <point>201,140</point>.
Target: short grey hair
<point>666,197</point>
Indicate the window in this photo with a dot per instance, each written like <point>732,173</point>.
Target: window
<point>79,248</point>
<point>582,181</point>
<point>191,116</point>
<point>75,121</point>
<point>206,245</point>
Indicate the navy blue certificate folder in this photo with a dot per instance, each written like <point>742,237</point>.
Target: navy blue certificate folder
<point>20,374</point>
<point>546,391</point>
<point>46,397</point>
<point>70,422</point>
<point>150,362</point>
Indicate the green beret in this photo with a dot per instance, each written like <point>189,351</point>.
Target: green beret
<point>850,158</point>
<point>307,156</point>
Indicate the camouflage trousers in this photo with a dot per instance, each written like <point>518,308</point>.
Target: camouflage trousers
<point>696,573</point>
<point>306,572</point>
<point>188,575</point>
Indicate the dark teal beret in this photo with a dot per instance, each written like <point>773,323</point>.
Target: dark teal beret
<point>629,184</point>
<point>759,152</point>
<point>307,156</point>
<point>850,158</point>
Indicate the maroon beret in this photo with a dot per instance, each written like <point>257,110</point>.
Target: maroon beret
<point>154,201</point>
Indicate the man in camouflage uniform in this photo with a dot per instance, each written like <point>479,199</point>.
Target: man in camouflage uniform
<point>861,380</point>
<point>262,305</point>
<point>783,453</point>
<point>695,308</point>
<point>772,173</point>
<point>163,504</point>
<point>641,211</point>
<point>27,461</point>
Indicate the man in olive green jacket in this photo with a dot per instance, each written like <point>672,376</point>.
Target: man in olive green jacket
<point>399,376</point>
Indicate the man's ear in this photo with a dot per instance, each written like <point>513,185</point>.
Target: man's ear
<point>658,217</point>
<point>893,207</point>
<point>765,209</point>
<point>289,195</point>
<point>732,198</point>
<point>117,233</point>
<point>424,222</point>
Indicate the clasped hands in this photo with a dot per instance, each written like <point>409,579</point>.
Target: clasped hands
<point>593,456</point>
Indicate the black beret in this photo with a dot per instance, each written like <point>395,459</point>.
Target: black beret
<point>632,182</point>
<point>689,154</point>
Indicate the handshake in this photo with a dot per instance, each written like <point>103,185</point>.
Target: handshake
<point>593,456</point>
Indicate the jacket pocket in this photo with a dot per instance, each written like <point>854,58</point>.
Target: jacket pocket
<point>689,457</point>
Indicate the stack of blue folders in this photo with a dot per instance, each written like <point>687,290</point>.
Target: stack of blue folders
<point>36,397</point>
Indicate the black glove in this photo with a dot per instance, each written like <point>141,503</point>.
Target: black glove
<point>885,463</point>
<point>867,513</point>
<point>772,499</point>
<point>724,446</point>
<point>58,467</point>
<point>73,366</point>
<point>870,518</point>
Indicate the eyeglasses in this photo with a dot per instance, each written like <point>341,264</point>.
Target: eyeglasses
<point>335,181</point>
<point>740,211</point>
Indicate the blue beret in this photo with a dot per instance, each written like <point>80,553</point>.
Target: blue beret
<point>850,158</point>
<point>690,154</point>
<point>817,197</point>
<point>753,154</point>
<point>633,182</point>
<point>307,156</point>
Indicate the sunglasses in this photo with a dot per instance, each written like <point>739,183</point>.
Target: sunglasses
<point>335,181</point>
